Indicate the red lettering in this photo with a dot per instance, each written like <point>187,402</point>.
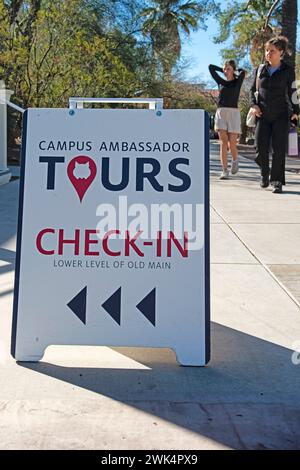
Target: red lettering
<point>88,242</point>
<point>158,245</point>
<point>131,243</point>
<point>106,246</point>
<point>39,241</point>
<point>183,251</point>
<point>62,241</point>
<point>105,243</point>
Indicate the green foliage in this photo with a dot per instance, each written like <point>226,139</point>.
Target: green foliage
<point>64,58</point>
<point>298,65</point>
<point>164,20</point>
<point>53,49</point>
<point>245,23</point>
<point>183,95</point>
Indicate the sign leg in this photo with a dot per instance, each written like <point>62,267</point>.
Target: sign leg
<point>33,353</point>
<point>191,356</point>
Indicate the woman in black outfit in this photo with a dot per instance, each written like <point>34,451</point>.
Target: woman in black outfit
<point>227,118</point>
<point>275,108</point>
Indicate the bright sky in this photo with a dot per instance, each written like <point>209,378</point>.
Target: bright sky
<point>201,51</point>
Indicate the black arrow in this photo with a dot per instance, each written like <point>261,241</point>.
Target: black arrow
<point>113,306</point>
<point>78,305</point>
<point>147,306</point>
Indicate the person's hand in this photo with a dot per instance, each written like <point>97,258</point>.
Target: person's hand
<point>243,70</point>
<point>294,119</point>
<point>257,110</point>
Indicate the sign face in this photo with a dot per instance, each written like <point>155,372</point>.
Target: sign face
<point>113,238</point>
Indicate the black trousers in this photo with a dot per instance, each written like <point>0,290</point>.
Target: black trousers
<point>272,131</point>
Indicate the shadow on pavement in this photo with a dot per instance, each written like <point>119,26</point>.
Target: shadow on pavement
<point>9,257</point>
<point>9,199</point>
<point>246,398</point>
<point>294,193</point>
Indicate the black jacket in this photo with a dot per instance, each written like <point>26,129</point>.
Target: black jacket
<point>277,93</point>
<point>229,89</point>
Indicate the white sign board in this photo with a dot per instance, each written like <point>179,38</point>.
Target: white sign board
<point>113,239</point>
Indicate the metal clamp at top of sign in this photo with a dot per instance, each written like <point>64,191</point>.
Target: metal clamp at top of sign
<point>154,103</point>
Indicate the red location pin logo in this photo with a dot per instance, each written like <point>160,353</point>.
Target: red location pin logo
<point>81,172</point>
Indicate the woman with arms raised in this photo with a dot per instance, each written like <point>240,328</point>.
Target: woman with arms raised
<point>228,118</point>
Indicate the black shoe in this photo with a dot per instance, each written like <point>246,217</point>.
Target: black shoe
<point>277,187</point>
<point>264,182</point>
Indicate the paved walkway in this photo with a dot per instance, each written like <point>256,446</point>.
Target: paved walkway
<point>248,396</point>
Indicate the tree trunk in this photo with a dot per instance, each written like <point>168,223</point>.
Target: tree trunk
<point>289,27</point>
<point>13,10</point>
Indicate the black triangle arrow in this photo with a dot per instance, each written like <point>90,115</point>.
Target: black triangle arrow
<point>78,305</point>
<point>113,306</point>
<point>147,306</point>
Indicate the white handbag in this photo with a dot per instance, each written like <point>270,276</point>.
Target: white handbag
<point>251,117</point>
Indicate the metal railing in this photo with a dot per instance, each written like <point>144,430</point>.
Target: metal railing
<point>15,106</point>
<point>5,96</point>
<point>154,103</point>
<point>74,103</point>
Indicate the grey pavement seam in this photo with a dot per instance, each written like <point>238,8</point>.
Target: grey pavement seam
<point>258,260</point>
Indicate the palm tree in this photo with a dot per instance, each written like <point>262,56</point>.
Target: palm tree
<point>289,26</point>
<point>164,22</point>
<point>249,24</point>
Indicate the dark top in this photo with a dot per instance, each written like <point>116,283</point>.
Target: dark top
<point>276,93</point>
<point>229,89</point>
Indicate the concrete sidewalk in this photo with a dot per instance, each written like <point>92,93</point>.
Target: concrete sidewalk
<point>120,398</point>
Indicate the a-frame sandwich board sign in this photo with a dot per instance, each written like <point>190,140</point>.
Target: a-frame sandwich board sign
<point>113,232</point>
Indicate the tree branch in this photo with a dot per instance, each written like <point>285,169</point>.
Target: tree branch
<point>270,13</point>
<point>13,10</point>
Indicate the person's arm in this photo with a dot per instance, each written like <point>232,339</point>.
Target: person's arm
<point>241,75</point>
<point>253,90</point>
<point>292,92</point>
<point>253,102</point>
<point>213,69</point>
